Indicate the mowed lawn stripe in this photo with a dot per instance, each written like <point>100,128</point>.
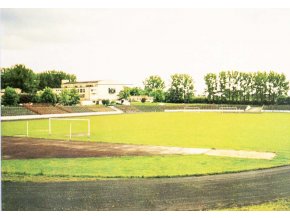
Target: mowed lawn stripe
<point>259,132</point>
<point>144,166</point>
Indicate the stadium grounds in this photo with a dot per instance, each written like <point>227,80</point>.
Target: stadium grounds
<point>263,132</point>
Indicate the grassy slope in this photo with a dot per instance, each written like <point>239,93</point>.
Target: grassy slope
<point>260,132</point>
<point>132,166</point>
<point>278,205</point>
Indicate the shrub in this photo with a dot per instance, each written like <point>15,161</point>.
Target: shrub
<point>106,102</point>
<point>143,100</point>
<point>283,100</point>
<point>10,97</point>
<point>201,100</point>
<point>26,98</point>
<point>69,97</point>
<point>48,96</point>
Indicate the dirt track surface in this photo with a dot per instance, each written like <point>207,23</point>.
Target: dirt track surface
<point>27,148</point>
<point>187,193</point>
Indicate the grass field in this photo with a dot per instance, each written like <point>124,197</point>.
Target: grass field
<point>255,132</point>
<point>278,205</point>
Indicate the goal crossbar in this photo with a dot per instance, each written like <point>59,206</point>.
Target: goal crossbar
<point>228,108</point>
<point>68,119</point>
<point>191,108</point>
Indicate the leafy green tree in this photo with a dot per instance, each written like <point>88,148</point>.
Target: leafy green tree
<point>18,76</point>
<point>283,85</point>
<point>241,87</point>
<point>154,87</point>
<point>153,83</point>
<point>53,79</point>
<point>136,91</point>
<point>10,97</point>
<point>158,95</point>
<point>74,97</point>
<point>69,97</point>
<point>47,96</point>
<point>125,93</point>
<point>211,86</point>
<point>64,97</point>
<point>181,89</point>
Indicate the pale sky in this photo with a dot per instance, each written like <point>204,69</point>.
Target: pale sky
<point>129,45</point>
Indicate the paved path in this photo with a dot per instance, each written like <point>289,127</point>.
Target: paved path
<point>187,193</point>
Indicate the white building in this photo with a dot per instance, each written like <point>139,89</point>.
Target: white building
<point>92,92</point>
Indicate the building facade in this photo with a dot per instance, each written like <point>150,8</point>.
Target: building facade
<point>93,92</point>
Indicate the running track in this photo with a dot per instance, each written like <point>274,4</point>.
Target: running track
<point>185,193</point>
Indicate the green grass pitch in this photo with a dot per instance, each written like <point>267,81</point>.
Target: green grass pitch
<point>239,131</point>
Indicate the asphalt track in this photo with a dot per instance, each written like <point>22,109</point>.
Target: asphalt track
<point>186,193</point>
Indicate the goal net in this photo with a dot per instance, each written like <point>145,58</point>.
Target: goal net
<point>224,109</point>
<point>191,108</point>
<point>69,127</point>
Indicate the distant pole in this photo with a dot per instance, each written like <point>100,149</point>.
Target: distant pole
<point>26,128</point>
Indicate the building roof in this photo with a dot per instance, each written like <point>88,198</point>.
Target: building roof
<point>82,82</point>
<point>107,82</point>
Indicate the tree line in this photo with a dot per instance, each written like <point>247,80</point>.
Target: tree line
<point>19,76</point>
<point>66,97</point>
<point>232,87</point>
<point>246,88</point>
<point>181,89</point>
<point>36,87</point>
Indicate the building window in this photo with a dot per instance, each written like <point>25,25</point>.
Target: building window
<point>81,90</point>
<point>112,91</point>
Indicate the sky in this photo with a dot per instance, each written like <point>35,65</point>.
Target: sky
<point>128,45</point>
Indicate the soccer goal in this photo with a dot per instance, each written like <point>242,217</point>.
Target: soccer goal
<point>191,108</point>
<point>69,126</point>
<point>223,109</point>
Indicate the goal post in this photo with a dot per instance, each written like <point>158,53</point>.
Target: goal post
<point>191,108</point>
<point>228,108</point>
<point>70,120</point>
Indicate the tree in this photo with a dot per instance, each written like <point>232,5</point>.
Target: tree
<point>10,97</point>
<point>136,91</point>
<point>64,97</point>
<point>69,97</point>
<point>158,95</point>
<point>181,89</point>
<point>74,97</point>
<point>153,83</point>
<point>125,93</point>
<point>53,79</point>
<point>211,86</point>
<point>47,96</point>
<point>241,87</point>
<point>154,87</point>
<point>20,77</point>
